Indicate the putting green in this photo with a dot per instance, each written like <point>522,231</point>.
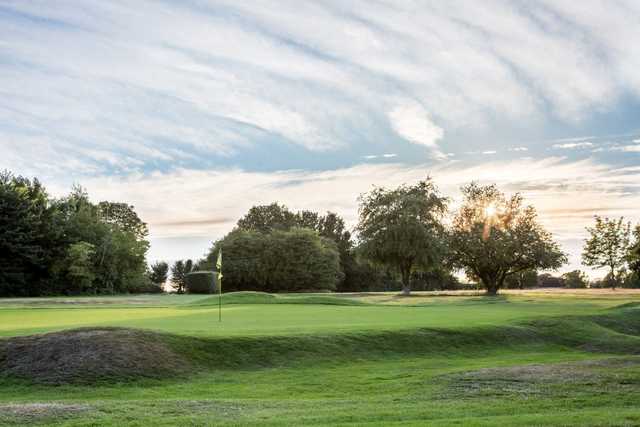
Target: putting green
<point>283,319</point>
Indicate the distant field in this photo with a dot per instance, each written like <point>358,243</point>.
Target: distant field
<point>543,357</point>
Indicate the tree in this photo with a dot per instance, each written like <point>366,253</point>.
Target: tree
<point>56,246</point>
<point>608,246</point>
<point>80,266</point>
<point>179,271</point>
<point>158,272</point>
<point>273,217</point>
<point>402,228</point>
<point>575,279</point>
<point>283,260</point>
<point>31,236</point>
<point>493,237</point>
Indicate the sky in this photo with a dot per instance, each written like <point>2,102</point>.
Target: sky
<point>194,111</point>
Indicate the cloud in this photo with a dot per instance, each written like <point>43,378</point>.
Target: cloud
<point>572,145</point>
<point>489,152</point>
<point>626,148</point>
<point>376,156</point>
<point>518,149</point>
<point>160,83</point>
<point>412,122</point>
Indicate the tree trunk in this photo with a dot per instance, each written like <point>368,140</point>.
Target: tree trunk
<point>492,285</point>
<point>492,289</point>
<point>406,280</point>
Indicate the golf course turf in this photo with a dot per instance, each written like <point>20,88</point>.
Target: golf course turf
<point>524,358</point>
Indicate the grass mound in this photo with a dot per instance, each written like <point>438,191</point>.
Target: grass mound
<point>614,333</point>
<point>89,356</point>
<point>114,354</point>
<point>251,297</point>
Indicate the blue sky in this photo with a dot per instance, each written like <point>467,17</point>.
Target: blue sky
<point>194,111</point>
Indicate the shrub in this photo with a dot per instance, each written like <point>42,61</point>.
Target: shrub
<point>280,261</point>
<point>575,279</point>
<point>146,287</point>
<point>201,282</point>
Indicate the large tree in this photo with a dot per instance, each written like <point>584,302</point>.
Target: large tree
<point>402,227</point>
<point>494,237</point>
<point>608,246</point>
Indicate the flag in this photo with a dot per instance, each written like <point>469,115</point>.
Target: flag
<point>219,267</point>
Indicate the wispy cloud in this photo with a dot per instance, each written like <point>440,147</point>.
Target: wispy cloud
<point>151,81</point>
<point>571,145</point>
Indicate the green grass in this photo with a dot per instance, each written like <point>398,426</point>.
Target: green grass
<point>345,360</point>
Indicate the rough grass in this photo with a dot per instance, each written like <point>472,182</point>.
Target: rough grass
<point>28,413</point>
<point>89,356</point>
<point>544,379</point>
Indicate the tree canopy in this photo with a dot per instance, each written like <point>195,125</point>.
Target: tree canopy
<point>402,227</point>
<point>67,245</point>
<point>493,237</point>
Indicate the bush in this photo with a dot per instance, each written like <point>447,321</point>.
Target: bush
<point>146,287</point>
<point>201,282</point>
<point>434,280</point>
<point>280,261</point>
<point>575,279</point>
<point>360,277</point>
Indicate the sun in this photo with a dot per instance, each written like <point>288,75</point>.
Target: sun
<point>490,210</point>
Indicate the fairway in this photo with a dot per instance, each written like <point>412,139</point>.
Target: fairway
<point>379,359</point>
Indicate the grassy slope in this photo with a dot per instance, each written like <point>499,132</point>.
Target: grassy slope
<point>406,373</point>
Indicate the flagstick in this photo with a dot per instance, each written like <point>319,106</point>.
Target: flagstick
<point>219,267</point>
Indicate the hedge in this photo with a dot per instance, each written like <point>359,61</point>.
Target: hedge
<point>201,282</point>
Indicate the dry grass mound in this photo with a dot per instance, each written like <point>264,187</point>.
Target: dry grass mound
<point>89,356</point>
<point>544,379</point>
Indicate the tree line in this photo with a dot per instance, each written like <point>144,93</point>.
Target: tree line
<point>68,245</point>
<point>404,236</point>
<point>405,239</point>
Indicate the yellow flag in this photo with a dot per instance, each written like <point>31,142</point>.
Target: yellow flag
<point>219,264</point>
